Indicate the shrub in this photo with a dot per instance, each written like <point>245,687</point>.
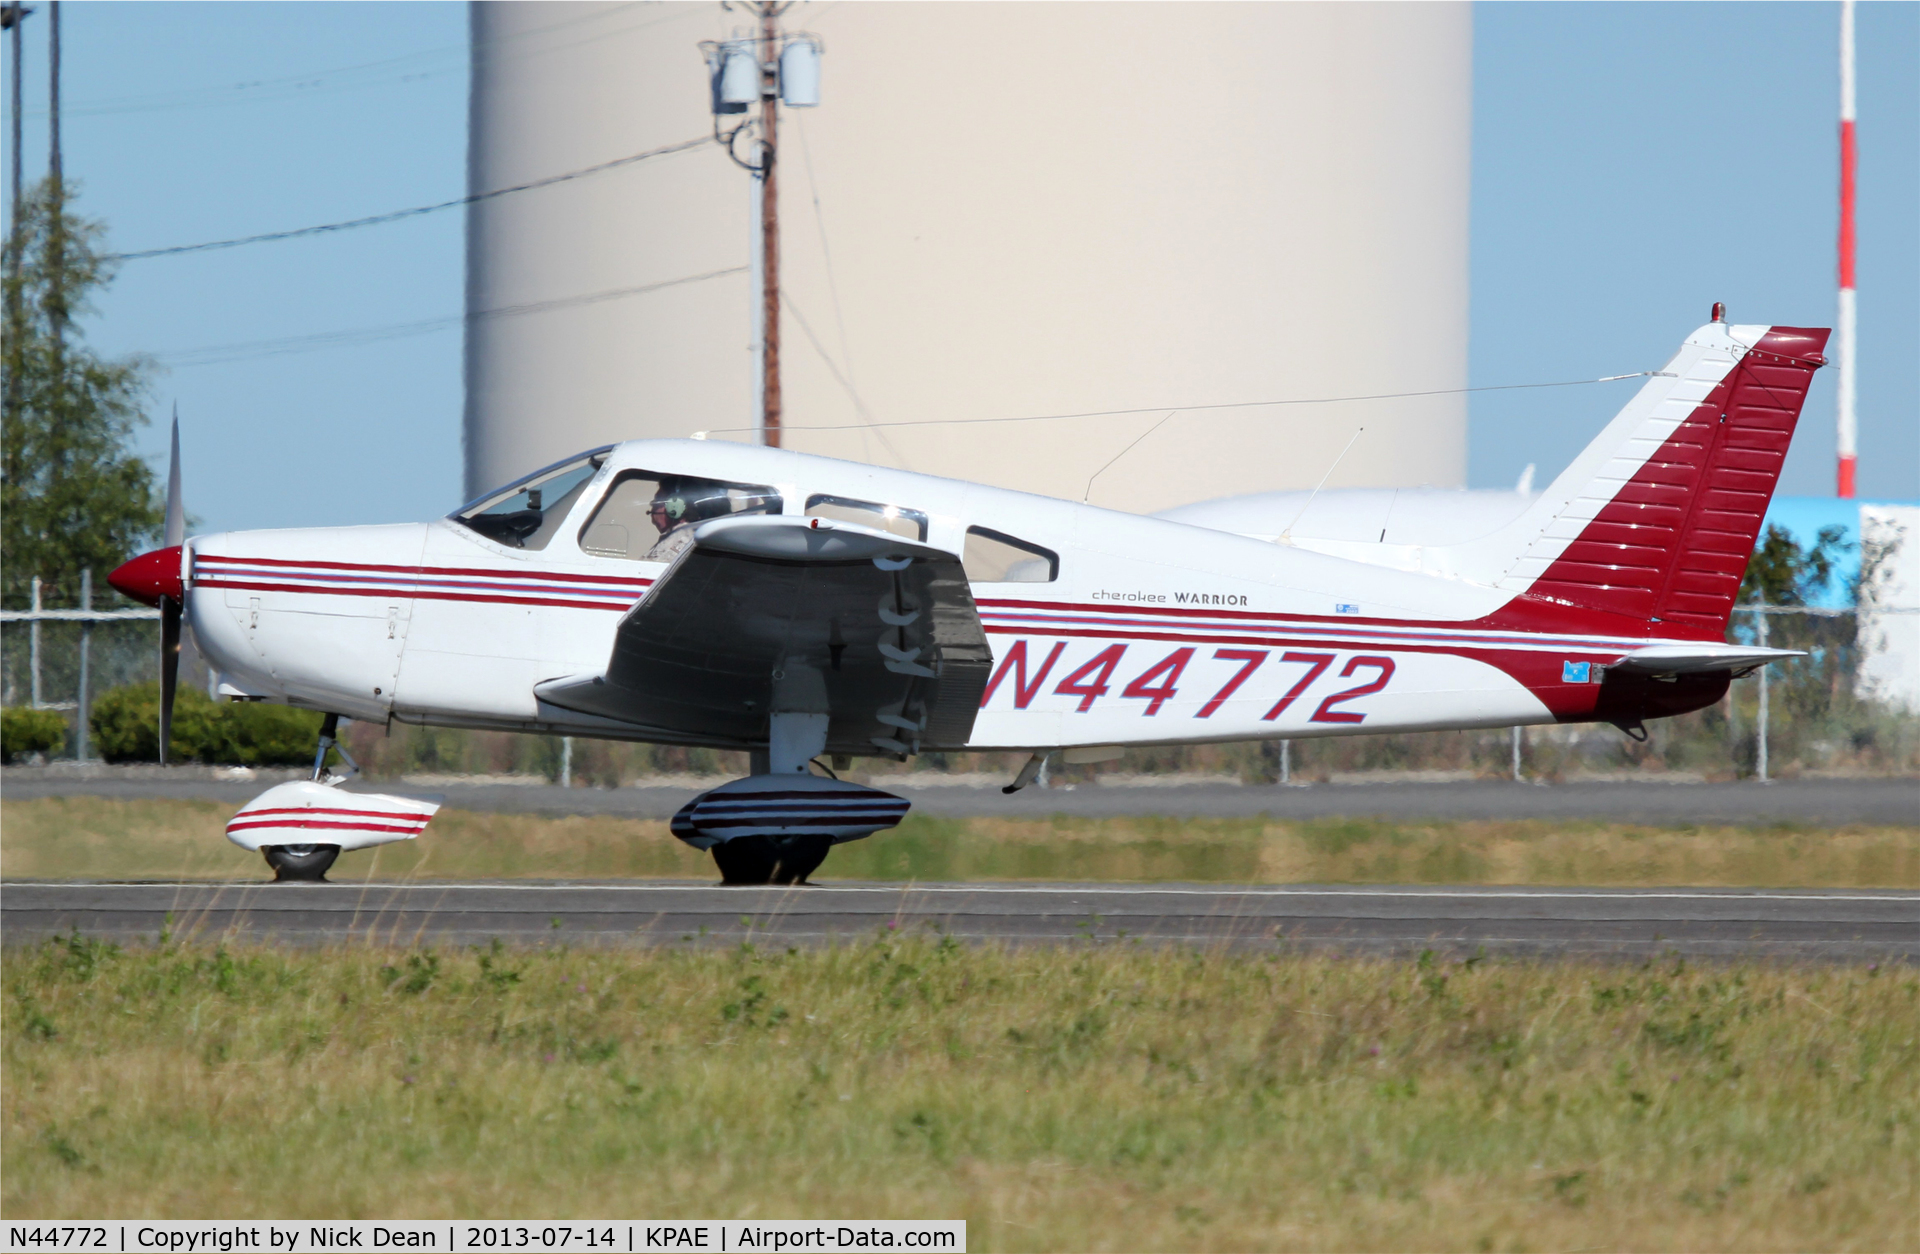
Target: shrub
<point>24,730</point>
<point>126,728</point>
<point>125,723</point>
<point>255,733</point>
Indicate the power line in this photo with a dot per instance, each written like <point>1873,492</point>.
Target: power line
<point>325,81</point>
<point>400,214</point>
<point>826,253</point>
<point>860,406</point>
<point>219,354</point>
<point>1182,409</point>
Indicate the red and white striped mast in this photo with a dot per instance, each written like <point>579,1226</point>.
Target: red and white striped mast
<point>1848,430</point>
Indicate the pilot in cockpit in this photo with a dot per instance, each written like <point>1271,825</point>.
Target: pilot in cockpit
<point>677,506</point>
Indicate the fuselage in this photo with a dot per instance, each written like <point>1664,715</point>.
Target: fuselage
<point>1115,629</point>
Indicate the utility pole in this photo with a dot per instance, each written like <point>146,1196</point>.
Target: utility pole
<point>53,97</point>
<point>56,178</point>
<point>1848,431</point>
<point>1760,718</point>
<point>13,17</point>
<point>83,701</point>
<point>770,224</point>
<point>768,67</point>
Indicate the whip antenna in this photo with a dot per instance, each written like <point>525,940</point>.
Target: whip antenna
<point>1286,537</point>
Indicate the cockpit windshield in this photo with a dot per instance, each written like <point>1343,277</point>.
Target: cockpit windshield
<point>528,512</point>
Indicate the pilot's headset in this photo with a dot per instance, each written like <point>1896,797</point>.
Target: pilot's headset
<point>693,501</point>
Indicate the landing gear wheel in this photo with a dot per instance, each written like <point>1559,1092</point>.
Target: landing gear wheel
<point>300,864</point>
<point>801,856</point>
<point>770,860</point>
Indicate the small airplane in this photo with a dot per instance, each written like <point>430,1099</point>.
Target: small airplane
<point>797,607</point>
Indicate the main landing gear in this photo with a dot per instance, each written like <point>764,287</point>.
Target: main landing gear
<point>770,859</point>
<point>777,825</point>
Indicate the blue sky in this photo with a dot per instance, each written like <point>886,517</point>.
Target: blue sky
<point>1632,164</point>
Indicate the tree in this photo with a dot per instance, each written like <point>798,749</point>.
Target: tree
<point>74,494</point>
<point>1780,572</point>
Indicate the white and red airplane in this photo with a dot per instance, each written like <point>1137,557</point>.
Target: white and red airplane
<point>733,596</point>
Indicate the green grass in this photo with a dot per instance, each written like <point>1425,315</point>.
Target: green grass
<point>1075,1097</point>
<point>92,837</point>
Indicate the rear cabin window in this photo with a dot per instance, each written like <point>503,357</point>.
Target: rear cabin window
<point>527,513</point>
<point>908,524</point>
<point>649,517</point>
<point>995,557</point>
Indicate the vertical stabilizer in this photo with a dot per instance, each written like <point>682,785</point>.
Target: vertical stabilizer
<point>1648,532</point>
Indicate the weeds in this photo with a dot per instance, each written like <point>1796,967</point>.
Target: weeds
<point>1116,1097</point>
<point>417,976</point>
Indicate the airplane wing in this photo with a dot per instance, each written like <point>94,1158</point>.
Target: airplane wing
<point>801,615</point>
<point>1688,659</point>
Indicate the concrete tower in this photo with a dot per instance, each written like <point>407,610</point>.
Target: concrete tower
<point>998,210</point>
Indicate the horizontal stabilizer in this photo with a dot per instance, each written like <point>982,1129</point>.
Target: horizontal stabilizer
<point>1693,659</point>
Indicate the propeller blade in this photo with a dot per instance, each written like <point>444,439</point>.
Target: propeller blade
<point>171,607</point>
<point>170,614</point>
<point>176,526</point>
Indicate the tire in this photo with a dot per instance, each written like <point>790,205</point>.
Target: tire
<point>300,864</point>
<point>801,856</point>
<point>747,860</point>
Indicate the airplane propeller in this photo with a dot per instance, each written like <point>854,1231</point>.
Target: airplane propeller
<point>172,608</point>
<point>155,579</point>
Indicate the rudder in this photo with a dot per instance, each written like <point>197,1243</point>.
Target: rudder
<point>1649,531</point>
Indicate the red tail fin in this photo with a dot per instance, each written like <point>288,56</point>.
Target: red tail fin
<point>1650,530</point>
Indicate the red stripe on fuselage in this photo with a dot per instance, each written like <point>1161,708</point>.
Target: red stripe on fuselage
<point>1537,670</point>
<point>411,594</point>
<point>418,570</point>
<point>227,572</point>
<point>489,583</point>
<point>1567,637</point>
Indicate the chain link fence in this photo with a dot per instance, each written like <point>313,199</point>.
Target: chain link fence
<point>1807,714</point>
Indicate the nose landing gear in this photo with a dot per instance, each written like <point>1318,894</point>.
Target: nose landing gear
<point>300,827</point>
<point>300,864</point>
<point>307,864</point>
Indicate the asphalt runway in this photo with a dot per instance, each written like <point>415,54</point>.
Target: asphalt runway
<point>1893,802</point>
<point>1624,923</point>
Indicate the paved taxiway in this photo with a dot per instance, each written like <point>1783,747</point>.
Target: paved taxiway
<point>1698,923</point>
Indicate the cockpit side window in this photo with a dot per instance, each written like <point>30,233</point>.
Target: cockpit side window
<point>527,513</point>
<point>908,524</point>
<point>995,557</point>
<point>647,516</point>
